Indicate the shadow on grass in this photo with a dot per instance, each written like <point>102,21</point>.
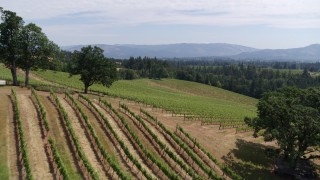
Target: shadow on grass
<point>250,161</point>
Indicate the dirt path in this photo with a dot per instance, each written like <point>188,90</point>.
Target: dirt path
<point>84,142</point>
<point>38,159</point>
<point>122,136</point>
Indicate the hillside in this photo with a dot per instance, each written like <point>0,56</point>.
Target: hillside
<point>308,53</point>
<point>176,132</point>
<point>180,96</point>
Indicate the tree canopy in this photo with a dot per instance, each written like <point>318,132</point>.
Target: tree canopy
<point>22,46</point>
<point>145,67</point>
<point>291,116</point>
<point>93,67</point>
<point>9,40</point>
<point>36,49</point>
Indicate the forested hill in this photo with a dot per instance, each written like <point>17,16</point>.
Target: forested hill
<point>189,50</point>
<point>311,52</point>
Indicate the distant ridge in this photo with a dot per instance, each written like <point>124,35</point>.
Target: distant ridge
<point>169,50</point>
<point>308,53</point>
<point>190,50</point>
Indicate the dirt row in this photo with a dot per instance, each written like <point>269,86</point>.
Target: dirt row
<point>166,119</point>
<point>177,151</point>
<point>144,133</point>
<point>83,139</point>
<point>35,143</point>
<point>125,139</point>
<point>62,140</point>
<point>105,138</point>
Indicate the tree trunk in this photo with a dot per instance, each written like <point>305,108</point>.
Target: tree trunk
<point>86,89</point>
<point>26,83</point>
<point>14,74</point>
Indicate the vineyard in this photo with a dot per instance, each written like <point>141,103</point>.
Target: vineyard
<point>126,156</point>
<point>121,134</point>
<point>172,95</point>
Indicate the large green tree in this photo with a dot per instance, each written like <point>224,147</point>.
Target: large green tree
<point>9,40</point>
<point>93,67</point>
<point>291,116</point>
<point>35,49</point>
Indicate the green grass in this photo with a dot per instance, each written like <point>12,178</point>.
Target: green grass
<point>292,71</point>
<point>315,74</point>
<point>5,74</point>
<point>183,96</point>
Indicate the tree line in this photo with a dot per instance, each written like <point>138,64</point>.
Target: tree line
<point>248,78</point>
<point>144,67</point>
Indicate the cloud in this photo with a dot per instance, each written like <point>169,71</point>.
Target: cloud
<point>275,13</point>
<point>199,12</point>
<point>154,21</point>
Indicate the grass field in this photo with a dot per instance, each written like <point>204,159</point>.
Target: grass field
<point>176,95</point>
<point>5,74</point>
<point>292,71</point>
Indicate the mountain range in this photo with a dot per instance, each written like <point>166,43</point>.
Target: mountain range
<point>190,50</point>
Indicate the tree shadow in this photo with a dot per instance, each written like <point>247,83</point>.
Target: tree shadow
<point>251,160</point>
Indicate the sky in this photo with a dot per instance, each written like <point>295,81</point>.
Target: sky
<point>271,24</point>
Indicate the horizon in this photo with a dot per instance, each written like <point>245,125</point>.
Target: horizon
<point>262,25</point>
<point>183,43</point>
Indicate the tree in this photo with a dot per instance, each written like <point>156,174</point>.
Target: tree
<point>9,43</point>
<point>36,49</point>
<point>127,74</point>
<point>93,67</point>
<point>292,117</point>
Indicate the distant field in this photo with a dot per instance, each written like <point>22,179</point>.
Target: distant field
<point>182,96</point>
<point>293,71</point>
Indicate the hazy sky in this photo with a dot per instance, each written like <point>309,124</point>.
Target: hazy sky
<point>255,23</point>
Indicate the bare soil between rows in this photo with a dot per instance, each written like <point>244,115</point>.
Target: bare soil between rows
<point>35,143</point>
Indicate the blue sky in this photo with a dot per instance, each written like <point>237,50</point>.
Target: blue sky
<point>255,23</point>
